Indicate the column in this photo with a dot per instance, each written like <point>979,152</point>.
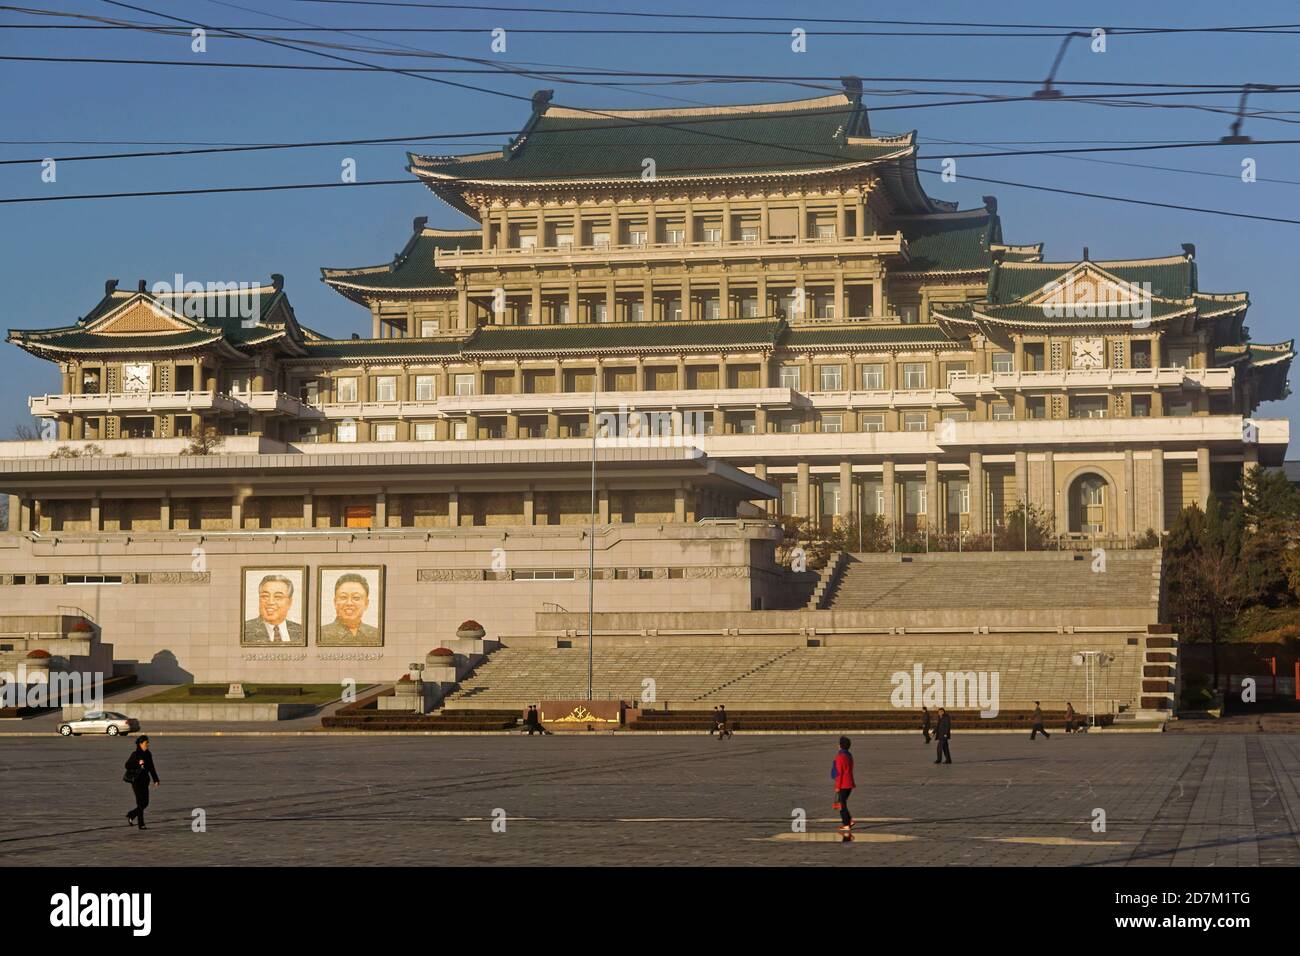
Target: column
<point>861,218</point>
<point>27,514</point>
<point>165,512</point>
<point>503,230</point>
<point>726,220</point>
<point>552,425</point>
<point>887,483</point>
<point>611,302</point>
<point>1130,504</point>
<point>485,218</point>
<point>804,494</point>
<point>840,311</point>
<point>440,429</point>
<point>573,300</point>
<point>764,229</point>
<point>541,228</point>
<point>602,505</point>
<point>308,511</point>
<point>96,513</point>
<point>681,372</point>
<point>841,219</point>
<point>236,512</point>
<point>801,230</point>
<point>1158,489</point>
<point>1049,492</point>
<point>462,306</point>
<point>761,295</point>
<point>537,304</point>
<point>471,427</point>
<point>760,420</point>
<point>640,374</point>
<point>686,298</point>
<point>878,296</point>
<point>679,504</point>
<point>1022,477</point>
<point>1203,476</point>
<point>846,489</point>
<point>724,295</point>
<point>976,492</point>
<point>648,300</point>
<point>15,514</point>
<point>381,510</point>
<point>932,495</point>
<point>760,472</point>
<point>453,508</point>
<point>530,511</point>
<point>512,424</point>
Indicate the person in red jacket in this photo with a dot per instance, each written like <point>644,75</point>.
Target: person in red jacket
<point>842,776</point>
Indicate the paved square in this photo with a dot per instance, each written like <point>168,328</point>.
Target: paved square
<point>1222,800</point>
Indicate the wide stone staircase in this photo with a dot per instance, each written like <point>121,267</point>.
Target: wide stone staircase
<point>1007,581</point>
<point>519,676</point>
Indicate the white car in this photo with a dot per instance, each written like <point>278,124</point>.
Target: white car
<point>100,722</point>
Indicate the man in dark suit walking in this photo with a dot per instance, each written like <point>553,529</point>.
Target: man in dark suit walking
<point>925,722</point>
<point>1037,722</point>
<point>942,732</point>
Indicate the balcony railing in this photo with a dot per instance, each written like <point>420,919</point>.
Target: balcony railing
<point>874,244</point>
<point>112,403</point>
<point>986,383</point>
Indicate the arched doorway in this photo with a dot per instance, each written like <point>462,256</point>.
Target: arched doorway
<point>1088,505</point>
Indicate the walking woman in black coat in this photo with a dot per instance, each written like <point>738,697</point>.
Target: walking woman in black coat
<point>139,770</point>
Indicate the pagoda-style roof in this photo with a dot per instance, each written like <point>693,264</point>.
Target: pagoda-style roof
<point>412,271</point>
<point>952,242</point>
<point>144,322</point>
<point>1268,364</point>
<point>1097,294</point>
<point>562,145</point>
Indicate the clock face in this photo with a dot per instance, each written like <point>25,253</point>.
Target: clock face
<point>1088,353</point>
<point>137,378</point>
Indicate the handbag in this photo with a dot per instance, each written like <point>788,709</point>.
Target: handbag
<point>131,775</point>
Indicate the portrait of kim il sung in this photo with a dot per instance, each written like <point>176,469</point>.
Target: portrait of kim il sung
<point>274,608</point>
<point>351,612</point>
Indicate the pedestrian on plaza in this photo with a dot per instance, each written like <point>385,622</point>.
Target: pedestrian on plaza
<point>842,778</point>
<point>723,730</point>
<point>925,722</point>
<point>533,722</point>
<point>942,732</point>
<point>1037,721</point>
<point>714,728</point>
<point>139,770</point>
<point>1069,717</point>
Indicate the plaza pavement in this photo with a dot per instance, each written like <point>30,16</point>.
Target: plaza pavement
<point>1184,799</point>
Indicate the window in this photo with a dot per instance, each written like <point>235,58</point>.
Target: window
<point>914,375</point>
<point>386,432</point>
<point>749,234</point>
<point>636,310</point>
<point>429,327</point>
<point>347,390</point>
<point>961,415</point>
<point>916,422</point>
<point>1178,409</point>
<point>833,423</point>
<point>600,239</point>
<point>958,497</point>
<point>1088,406</point>
<point>1140,354</point>
<point>1036,408</point>
<point>528,243</point>
<point>823,305</point>
<point>1034,360</point>
<point>712,234</point>
<point>424,388</point>
<point>825,230</point>
<point>346,431</point>
<point>789,498</point>
<point>915,498</point>
<point>386,388</point>
<point>600,311</point>
<point>830,499</point>
<point>543,575</point>
<point>830,378</point>
<point>424,431</point>
<point>710,309</point>
<point>873,423</point>
<point>460,430</point>
<point>748,307</point>
<point>1003,362</point>
<point>465,384</point>
<point>873,377</point>
<point>309,434</point>
<point>638,237</point>
<point>1141,406</point>
<point>564,241</point>
<point>908,314</point>
<point>92,579</point>
<point>790,375</point>
<point>675,235</point>
<point>953,371</point>
<point>1003,412</point>
<point>788,424</point>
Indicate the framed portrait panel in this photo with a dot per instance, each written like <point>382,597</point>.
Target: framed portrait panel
<point>273,606</point>
<point>351,606</point>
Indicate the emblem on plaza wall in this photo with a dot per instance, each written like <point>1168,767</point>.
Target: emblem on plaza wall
<point>351,612</point>
<point>274,607</point>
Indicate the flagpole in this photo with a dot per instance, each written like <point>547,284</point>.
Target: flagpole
<point>591,547</point>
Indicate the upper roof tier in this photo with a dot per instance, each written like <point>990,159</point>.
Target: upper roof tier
<point>412,272</point>
<point>569,145</point>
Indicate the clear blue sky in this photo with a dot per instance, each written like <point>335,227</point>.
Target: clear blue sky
<point>57,255</point>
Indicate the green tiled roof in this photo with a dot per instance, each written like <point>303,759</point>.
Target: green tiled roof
<point>411,270</point>
<point>952,242</point>
<point>617,336</point>
<point>560,144</point>
<point>1170,278</point>
<point>382,348</point>
<point>77,339</point>
<point>869,335</point>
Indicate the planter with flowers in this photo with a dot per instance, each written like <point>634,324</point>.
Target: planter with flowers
<point>471,631</point>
